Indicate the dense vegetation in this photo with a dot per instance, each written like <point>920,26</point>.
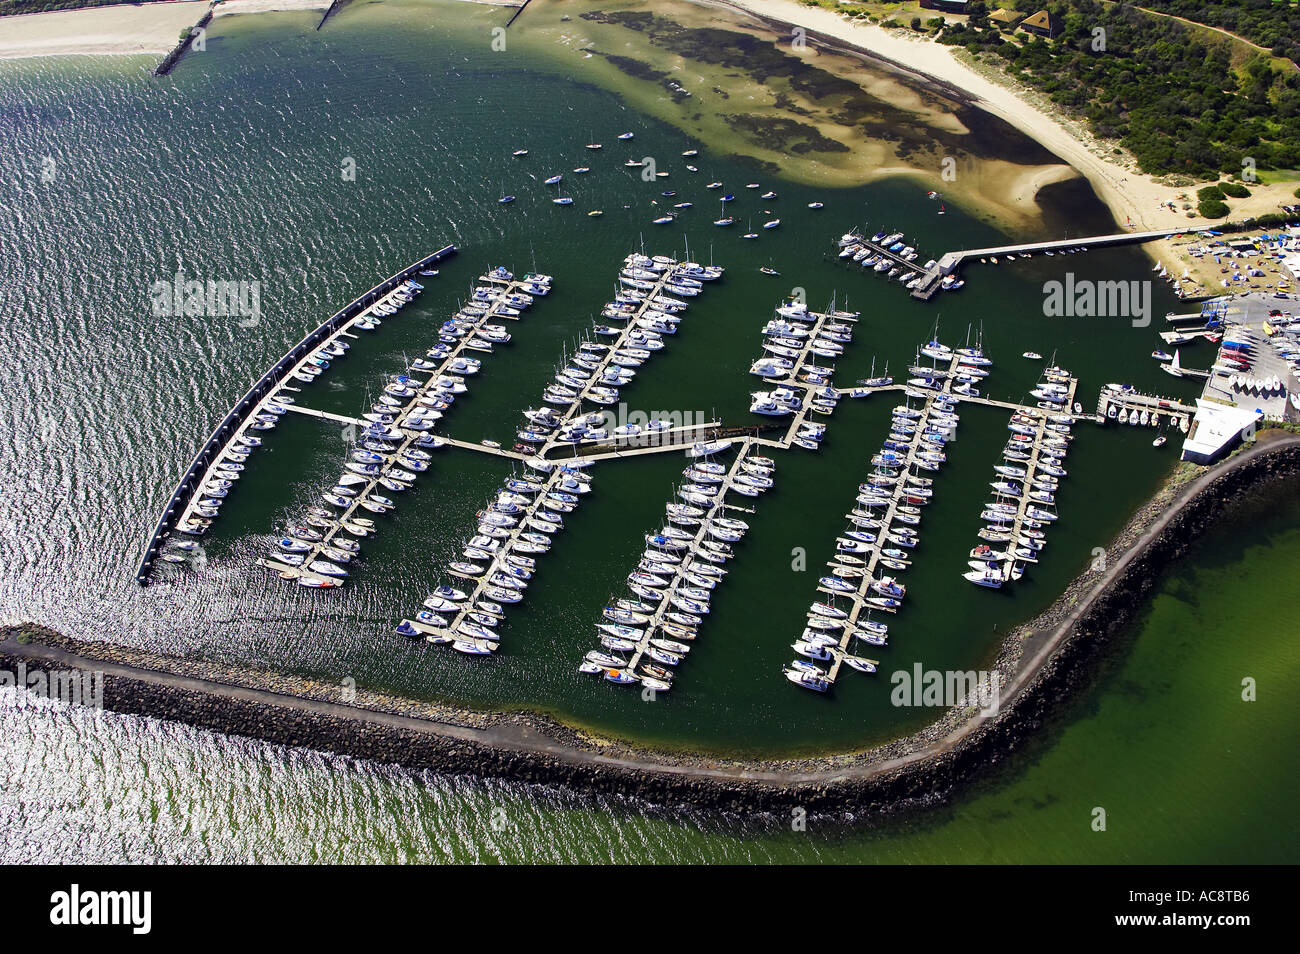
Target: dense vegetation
<point>1170,97</point>
<point>8,7</point>
<point>1210,202</point>
<point>1273,24</point>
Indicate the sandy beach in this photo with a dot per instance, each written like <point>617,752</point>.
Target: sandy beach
<point>1135,199</point>
<point>1006,191</point>
<point>1131,195</point>
<point>99,31</point>
<point>148,28</point>
<point>229,7</point>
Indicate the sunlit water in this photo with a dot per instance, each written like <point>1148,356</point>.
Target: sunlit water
<point>1185,770</point>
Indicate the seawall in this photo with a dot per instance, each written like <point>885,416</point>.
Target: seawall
<point>1043,664</point>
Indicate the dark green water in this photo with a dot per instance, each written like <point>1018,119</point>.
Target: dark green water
<point>1186,771</point>
<point>231,167</point>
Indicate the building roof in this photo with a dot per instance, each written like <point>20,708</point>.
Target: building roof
<point>1005,16</point>
<point>1042,20</point>
<point>1215,427</point>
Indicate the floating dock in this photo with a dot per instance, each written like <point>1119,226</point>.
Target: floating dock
<point>880,251</point>
<point>254,400</point>
<point>1045,447</point>
<point>438,378</point>
<point>505,575</point>
<point>902,494</point>
<point>665,641</point>
<point>463,627</point>
<point>651,304</point>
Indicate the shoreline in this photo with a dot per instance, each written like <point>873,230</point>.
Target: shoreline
<point>1008,196</point>
<point>1044,663</point>
<point>1120,188</point>
<point>1134,198</point>
<point>114,30</point>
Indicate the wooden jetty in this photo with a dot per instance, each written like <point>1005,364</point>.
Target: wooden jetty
<point>949,262</point>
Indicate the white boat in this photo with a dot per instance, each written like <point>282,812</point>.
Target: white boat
<point>807,679</point>
<point>705,448</point>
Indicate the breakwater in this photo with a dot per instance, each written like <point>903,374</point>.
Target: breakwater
<point>271,380</point>
<point>1043,663</point>
<point>329,11</point>
<point>168,62</point>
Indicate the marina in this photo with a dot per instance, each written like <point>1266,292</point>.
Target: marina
<point>887,252</point>
<point>394,440</point>
<point>513,530</point>
<point>889,255</point>
<point>517,526</point>
<point>308,152</point>
<point>1025,485</point>
<point>883,521</point>
<point>682,564</point>
<point>233,431</point>
<point>1122,404</point>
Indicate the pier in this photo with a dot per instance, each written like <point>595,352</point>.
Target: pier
<point>659,628</point>
<point>168,62</point>
<point>831,331</point>
<point>254,400</point>
<point>949,262</point>
<point>1048,442</point>
<point>1113,403</point>
<point>900,494</point>
<point>521,530</point>
<point>329,11</point>
<point>595,375</point>
<point>630,336</point>
<point>416,408</point>
<point>880,252</point>
<point>505,564</point>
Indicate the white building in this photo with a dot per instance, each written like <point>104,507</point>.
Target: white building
<point>1216,429</point>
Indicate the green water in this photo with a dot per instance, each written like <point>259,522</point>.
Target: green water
<point>231,167</point>
<point>1186,771</point>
